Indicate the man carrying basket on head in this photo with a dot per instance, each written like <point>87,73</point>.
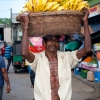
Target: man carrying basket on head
<point>52,67</point>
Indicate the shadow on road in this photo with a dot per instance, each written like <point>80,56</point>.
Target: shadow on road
<point>22,71</point>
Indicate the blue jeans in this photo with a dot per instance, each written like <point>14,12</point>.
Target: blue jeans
<point>9,63</point>
<point>1,92</point>
<point>32,75</point>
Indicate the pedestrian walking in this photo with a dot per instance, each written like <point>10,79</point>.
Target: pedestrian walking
<point>8,56</point>
<point>53,67</point>
<point>32,76</point>
<point>31,73</point>
<point>3,76</point>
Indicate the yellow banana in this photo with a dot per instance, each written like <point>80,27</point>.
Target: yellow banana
<point>71,6</point>
<point>44,2</point>
<point>78,1</point>
<point>75,6</point>
<point>57,0</point>
<point>54,7</point>
<point>49,5</point>
<point>36,7</point>
<point>72,1</point>
<point>25,4</point>
<point>31,2</point>
<point>87,6</point>
<point>49,0</point>
<point>34,2</point>
<point>29,6</point>
<point>60,8</point>
<point>25,10</point>
<point>37,2</point>
<point>40,5</point>
<point>32,5</point>
<point>62,2</point>
<point>66,5</point>
<point>66,8</point>
<point>66,0</point>
<point>40,2</point>
<point>82,5</point>
<point>80,8</point>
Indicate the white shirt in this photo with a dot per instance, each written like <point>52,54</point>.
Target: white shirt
<point>42,87</point>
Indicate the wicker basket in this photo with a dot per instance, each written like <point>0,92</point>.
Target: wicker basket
<point>54,23</point>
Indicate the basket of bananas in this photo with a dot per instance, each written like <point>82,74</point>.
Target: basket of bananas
<point>54,17</point>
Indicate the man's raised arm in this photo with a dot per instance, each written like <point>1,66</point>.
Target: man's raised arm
<point>87,42</point>
<point>25,42</point>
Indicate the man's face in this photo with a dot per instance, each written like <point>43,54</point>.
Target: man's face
<point>52,45</point>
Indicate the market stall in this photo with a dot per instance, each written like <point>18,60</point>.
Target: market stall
<point>89,67</point>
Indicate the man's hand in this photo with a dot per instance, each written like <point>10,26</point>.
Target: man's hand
<point>25,20</point>
<point>85,15</point>
<point>8,89</point>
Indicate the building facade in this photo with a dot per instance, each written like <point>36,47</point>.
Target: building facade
<point>5,33</point>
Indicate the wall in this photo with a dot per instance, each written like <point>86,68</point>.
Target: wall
<point>7,35</point>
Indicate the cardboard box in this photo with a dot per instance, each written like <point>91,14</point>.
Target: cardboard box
<point>90,76</point>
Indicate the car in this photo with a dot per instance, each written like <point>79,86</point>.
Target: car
<point>2,47</point>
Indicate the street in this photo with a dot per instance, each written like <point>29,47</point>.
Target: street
<point>21,90</point>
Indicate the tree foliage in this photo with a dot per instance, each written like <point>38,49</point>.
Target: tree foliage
<point>6,21</point>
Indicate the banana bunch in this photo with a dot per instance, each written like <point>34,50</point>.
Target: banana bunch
<point>54,5</point>
<point>51,6</point>
<point>54,0</point>
<point>28,6</point>
<point>57,0</point>
<point>82,5</point>
<point>75,5</point>
<point>39,5</point>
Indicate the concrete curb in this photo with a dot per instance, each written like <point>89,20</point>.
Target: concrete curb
<point>95,85</point>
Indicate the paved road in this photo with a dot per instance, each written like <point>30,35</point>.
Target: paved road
<point>20,84</point>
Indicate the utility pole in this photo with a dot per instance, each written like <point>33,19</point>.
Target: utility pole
<point>11,21</point>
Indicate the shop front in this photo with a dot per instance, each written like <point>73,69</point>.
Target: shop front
<point>89,67</point>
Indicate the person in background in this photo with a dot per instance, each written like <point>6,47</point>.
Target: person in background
<point>53,67</point>
<point>31,72</point>
<point>73,44</point>
<point>3,49</point>
<point>8,55</point>
<point>3,76</point>
<point>32,76</point>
